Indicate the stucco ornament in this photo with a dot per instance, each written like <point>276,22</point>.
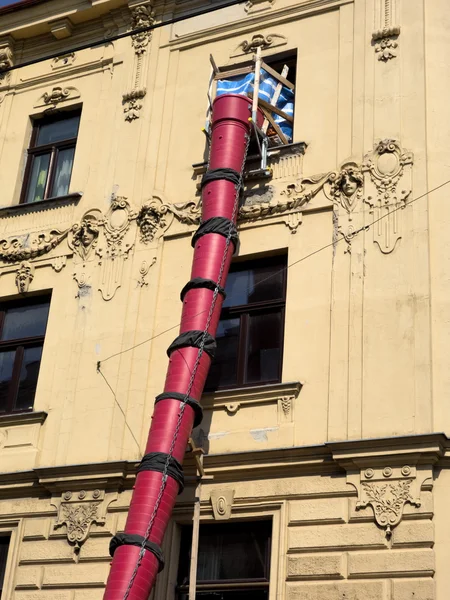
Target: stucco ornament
<point>78,511</point>
<point>387,189</point>
<point>28,246</point>
<point>261,41</point>
<point>56,95</point>
<point>156,216</point>
<point>222,503</point>
<point>141,16</point>
<point>347,185</point>
<point>6,60</point>
<point>83,237</point>
<point>153,219</point>
<point>118,241</point>
<point>387,498</point>
<point>132,103</point>
<point>24,277</point>
<point>384,39</point>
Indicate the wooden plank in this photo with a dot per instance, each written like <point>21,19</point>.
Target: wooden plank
<point>276,95</point>
<point>271,108</point>
<point>258,61</point>
<point>269,117</point>
<point>213,64</point>
<point>234,72</point>
<point>277,76</point>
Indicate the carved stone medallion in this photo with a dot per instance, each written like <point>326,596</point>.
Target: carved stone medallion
<point>222,502</point>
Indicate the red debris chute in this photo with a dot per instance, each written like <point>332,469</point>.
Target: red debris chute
<point>230,129</point>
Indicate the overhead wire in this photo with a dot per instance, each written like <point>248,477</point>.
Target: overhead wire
<point>249,289</point>
<point>282,269</point>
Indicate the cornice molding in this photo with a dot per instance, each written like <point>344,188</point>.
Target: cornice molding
<point>333,457</point>
<point>249,23</point>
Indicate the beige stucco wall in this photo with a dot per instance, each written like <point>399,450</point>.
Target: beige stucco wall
<point>366,333</point>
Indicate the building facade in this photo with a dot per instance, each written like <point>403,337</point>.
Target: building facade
<point>325,466</point>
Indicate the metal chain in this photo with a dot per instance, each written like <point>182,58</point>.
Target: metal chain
<point>194,371</point>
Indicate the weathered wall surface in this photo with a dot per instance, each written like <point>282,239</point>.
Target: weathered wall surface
<point>366,332</point>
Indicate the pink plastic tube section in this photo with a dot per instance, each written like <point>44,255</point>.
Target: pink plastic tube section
<point>230,127</point>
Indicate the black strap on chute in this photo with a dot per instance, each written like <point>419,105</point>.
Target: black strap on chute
<point>215,174</point>
<point>220,225</point>
<point>132,539</point>
<point>200,282</point>
<point>193,339</point>
<point>192,402</point>
<point>156,461</point>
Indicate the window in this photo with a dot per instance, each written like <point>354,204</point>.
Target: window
<point>50,157</point>
<point>277,80</point>
<point>22,331</point>
<point>4,547</point>
<point>250,332</point>
<point>233,561</point>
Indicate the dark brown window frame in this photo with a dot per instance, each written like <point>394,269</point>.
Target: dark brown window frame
<point>54,148</point>
<point>19,345</point>
<point>243,311</point>
<point>6,536</point>
<point>249,584</point>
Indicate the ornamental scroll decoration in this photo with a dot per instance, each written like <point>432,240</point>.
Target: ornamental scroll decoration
<point>78,511</point>
<point>387,189</point>
<point>262,41</point>
<point>103,241</point>
<point>118,240</point>
<point>387,490</point>
<point>156,216</point>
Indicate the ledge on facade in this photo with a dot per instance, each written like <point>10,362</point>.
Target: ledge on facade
<point>418,449</point>
<point>231,399</point>
<point>431,449</point>
<point>85,476</point>
<point>23,418</point>
<point>32,207</point>
<point>253,160</point>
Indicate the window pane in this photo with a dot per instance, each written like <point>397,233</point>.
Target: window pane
<point>223,370</point>
<point>38,178</point>
<point>264,281</point>
<point>6,369</point>
<point>4,547</point>
<point>25,321</point>
<point>28,378</point>
<point>264,347</point>
<point>63,129</point>
<point>235,551</point>
<point>63,172</point>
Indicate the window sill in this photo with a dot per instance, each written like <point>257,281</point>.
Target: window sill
<point>24,208</point>
<point>23,418</point>
<point>233,399</point>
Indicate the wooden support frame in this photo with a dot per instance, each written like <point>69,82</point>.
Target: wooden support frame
<point>277,76</point>
<point>275,97</point>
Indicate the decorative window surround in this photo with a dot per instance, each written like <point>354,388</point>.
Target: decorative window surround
<point>231,401</point>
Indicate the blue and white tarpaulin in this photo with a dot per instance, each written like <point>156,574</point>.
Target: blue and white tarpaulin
<point>243,84</point>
